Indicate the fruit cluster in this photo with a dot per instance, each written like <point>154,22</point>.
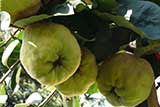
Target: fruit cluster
<point>51,54</point>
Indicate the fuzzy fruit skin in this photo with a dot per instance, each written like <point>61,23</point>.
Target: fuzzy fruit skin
<point>83,78</point>
<point>19,9</point>
<point>49,53</point>
<point>125,80</point>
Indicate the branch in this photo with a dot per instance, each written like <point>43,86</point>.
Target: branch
<point>5,42</point>
<point>9,71</point>
<point>153,45</point>
<point>17,27</point>
<point>12,36</point>
<point>152,99</point>
<point>48,98</point>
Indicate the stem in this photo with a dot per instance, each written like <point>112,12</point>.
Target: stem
<point>12,36</point>
<point>152,99</point>
<point>48,98</point>
<point>16,27</point>
<point>9,71</point>
<point>63,98</point>
<point>153,45</point>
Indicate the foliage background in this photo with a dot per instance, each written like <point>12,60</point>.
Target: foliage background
<point>90,27</point>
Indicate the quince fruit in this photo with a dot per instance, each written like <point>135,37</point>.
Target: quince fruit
<point>125,80</point>
<point>49,53</point>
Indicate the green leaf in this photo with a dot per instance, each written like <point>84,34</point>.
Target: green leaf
<point>18,74</point>
<point>76,102</point>
<point>93,89</point>
<point>20,35</point>
<point>15,55</point>
<point>155,1</point>
<point>3,96</point>
<point>127,1</point>
<point>26,21</point>
<point>21,105</point>
<point>15,78</point>
<point>80,7</point>
<point>2,89</point>
<point>107,5</point>
<point>5,20</point>
<point>58,10</point>
<point>63,10</point>
<point>34,98</point>
<point>7,52</point>
<point>144,16</point>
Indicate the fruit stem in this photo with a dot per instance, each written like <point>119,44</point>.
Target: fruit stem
<point>152,99</point>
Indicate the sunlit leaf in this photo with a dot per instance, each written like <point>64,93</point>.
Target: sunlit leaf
<point>76,102</point>
<point>34,98</point>
<point>5,20</point>
<point>21,105</point>
<point>18,74</point>
<point>63,10</point>
<point>3,96</point>
<point>2,89</point>
<point>20,35</point>
<point>7,52</point>
<point>75,3</point>
<point>93,89</point>
<point>50,88</point>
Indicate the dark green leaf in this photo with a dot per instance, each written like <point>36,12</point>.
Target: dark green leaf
<point>155,1</point>
<point>120,21</point>
<point>26,21</point>
<point>107,6</point>
<point>145,17</point>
